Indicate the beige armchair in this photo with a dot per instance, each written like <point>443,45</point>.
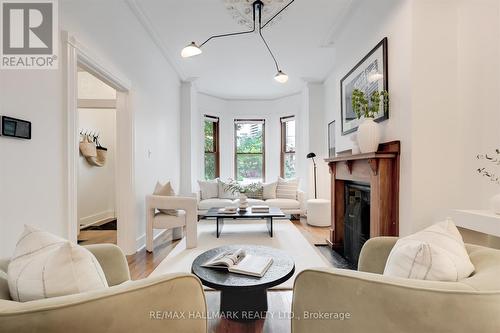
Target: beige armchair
<point>370,302</point>
<point>187,218</point>
<point>146,305</point>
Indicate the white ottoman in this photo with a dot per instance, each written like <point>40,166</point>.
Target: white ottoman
<point>319,212</point>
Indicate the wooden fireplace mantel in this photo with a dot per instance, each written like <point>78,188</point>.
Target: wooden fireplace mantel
<point>380,170</point>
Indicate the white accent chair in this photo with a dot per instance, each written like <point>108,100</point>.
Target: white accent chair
<point>382,304</point>
<point>126,306</point>
<point>186,218</point>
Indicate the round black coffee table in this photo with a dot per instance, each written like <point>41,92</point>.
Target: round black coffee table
<point>244,297</point>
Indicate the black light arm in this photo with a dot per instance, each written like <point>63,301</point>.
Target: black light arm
<point>256,4</point>
<point>272,18</point>
<point>234,33</point>
<point>263,39</point>
<point>231,34</point>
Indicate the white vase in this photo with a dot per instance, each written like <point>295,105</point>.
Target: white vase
<point>368,136</point>
<point>243,203</point>
<point>495,204</point>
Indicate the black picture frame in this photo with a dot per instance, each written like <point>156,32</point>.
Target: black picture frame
<point>358,78</point>
<point>331,139</point>
<point>16,128</point>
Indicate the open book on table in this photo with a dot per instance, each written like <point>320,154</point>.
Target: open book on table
<point>241,263</point>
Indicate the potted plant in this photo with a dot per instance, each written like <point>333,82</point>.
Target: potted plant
<point>494,159</point>
<point>368,130</point>
<point>235,187</point>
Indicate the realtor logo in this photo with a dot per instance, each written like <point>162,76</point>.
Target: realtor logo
<point>29,34</point>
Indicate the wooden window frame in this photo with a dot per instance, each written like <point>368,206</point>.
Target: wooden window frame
<point>216,123</point>
<point>263,153</point>
<point>283,151</point>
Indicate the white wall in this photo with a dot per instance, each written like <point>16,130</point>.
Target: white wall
<point>96,185</point>
<point>270,111</point>
<point>318,140</point>
<point>33,178</point>
<point>392,19</point>
<point>90,87</point>
<point>456,103</point>
<point>32,183</point>
<point>444,78</point>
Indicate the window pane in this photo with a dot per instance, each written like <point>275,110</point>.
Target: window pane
<point>249,168</point>
<point>290,136</point>
<point>249,138</point>
<point>210,166</point>
<point>209,137</point>
<point>290,161</point>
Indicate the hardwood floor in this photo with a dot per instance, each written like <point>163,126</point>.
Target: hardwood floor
<point>142,263</point>
<point>315,235</point>
<point>88,237</point>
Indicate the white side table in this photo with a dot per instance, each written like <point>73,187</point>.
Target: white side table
<point>319,212</point>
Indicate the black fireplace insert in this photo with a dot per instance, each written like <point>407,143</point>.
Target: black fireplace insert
<point>356,220</point>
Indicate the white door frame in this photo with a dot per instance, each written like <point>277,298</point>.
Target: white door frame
<point>78,55</point>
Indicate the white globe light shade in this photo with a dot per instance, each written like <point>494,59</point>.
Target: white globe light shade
<point>281,77</point>
<point>191,50</point>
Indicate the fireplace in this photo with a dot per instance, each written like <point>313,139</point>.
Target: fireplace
<point>356,220</point>
<point>365,189</point>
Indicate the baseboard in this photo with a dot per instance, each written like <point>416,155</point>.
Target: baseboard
<point>141,241</point>
<point>96,218</point>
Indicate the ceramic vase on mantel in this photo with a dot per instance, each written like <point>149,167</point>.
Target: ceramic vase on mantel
<point>495,204</point>
<point>368,136</point>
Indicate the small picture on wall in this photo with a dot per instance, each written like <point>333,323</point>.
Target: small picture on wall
<point>369,75</point>
<point>331,139</point>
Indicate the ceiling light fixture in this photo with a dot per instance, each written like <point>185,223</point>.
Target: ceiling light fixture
<point>193,49</point>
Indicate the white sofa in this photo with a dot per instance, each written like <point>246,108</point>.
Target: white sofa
<point>287,206</point>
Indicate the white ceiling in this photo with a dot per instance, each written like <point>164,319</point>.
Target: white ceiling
<point>240,67</point>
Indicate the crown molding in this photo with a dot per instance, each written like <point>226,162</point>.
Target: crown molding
<point>250,98</point>
<point>146,23</point>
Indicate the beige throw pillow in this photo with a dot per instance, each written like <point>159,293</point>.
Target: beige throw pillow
<point>287,189</point>
<point>209,189</point>
<point>45,266</point>
<point>168,191</point>
<point>257,194</point>
<point>437,253</point>
<point>269,190</point>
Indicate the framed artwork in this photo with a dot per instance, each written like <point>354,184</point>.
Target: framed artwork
<point>369,75</point>
<point>331,139</point>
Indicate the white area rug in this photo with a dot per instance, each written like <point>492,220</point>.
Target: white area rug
<point>286,237</point>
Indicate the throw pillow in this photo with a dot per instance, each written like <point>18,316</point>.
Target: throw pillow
<point>287,189</point>
<point>45,265</point>
<point>269,190</point>
<point>257,194</point>
<point>209,189</point>
<point>224,193</point>
<point>437,253</point>
<point>166,191</point>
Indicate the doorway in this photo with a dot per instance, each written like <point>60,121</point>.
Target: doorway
<point>96,207</point>
<point>77,55</point>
